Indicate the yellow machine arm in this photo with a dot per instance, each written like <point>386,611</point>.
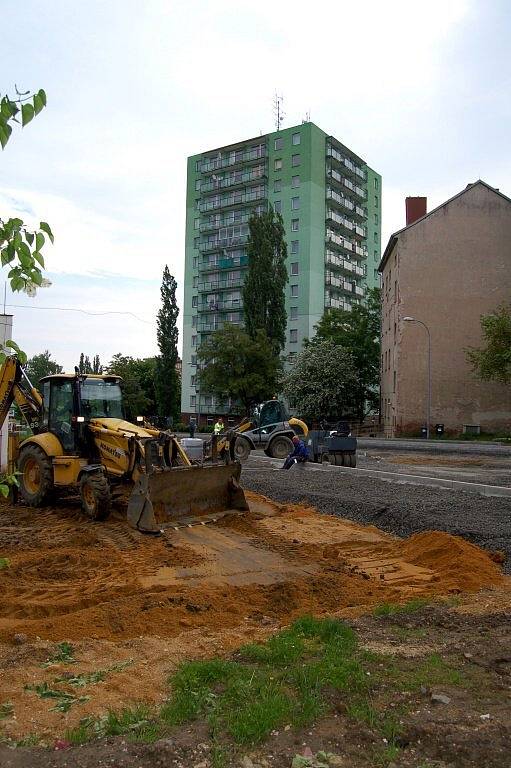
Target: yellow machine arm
<point>16,387</point>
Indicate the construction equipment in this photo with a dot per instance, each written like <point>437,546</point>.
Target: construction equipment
<point>268,427</point>
<point>335,446</point>
<point>82,441</point>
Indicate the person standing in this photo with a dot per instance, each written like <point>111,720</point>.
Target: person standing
<point>192,424</point>
<point>219,426</point>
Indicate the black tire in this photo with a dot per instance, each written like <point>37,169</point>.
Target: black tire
<point>36,480</point>
<point>326,458</point>
<point>338,460</point>
<point>280,447</point>
<point>95,495</point>
<point>353,459</point>
<point>241,449</point>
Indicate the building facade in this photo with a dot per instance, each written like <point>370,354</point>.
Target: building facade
<point>330,201</point>
<point>445,269</point>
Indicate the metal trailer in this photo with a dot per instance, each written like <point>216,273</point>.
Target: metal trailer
<point>334,447</point>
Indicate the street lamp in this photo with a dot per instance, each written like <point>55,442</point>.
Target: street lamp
<point>414,320</point>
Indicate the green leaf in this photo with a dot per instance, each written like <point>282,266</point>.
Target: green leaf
<point>46,228</point>
<point>42,96</point>
<point>5,132</point>
<point>4,490</point>
<point>17,283</point>
<point>22,357</point>
<point>38,104</point>
<point>27,114</point>
<point>39,257</point>
<point>30,237</point>
<point>36,276</point>
<point>5,108</point>
<point>39,241</point>
<point>12,345</point>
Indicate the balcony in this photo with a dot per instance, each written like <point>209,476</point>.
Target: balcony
<point>348,165</point>
<point>339,219</point>
<point>220,285</point>
<point>337,262</point>
<point>340,283</point>
<point>222,243</point>
<point>234,179</point>
<point>211,327</point>
<point>240,197</point>
<point>232,305</point>
<point>335,302</point>
<point>340,199</point>
<point>359,212</point>
<point>217,222</point>
<point>233,158</point>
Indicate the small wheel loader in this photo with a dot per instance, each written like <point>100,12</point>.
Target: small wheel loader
<point>81,440</point>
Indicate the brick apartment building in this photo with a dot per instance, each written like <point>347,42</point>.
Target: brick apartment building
<point>445,268</point>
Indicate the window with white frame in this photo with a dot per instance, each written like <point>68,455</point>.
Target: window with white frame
<point>277,185</point>
<point>295,160</point>
<point>294,267</point>
<point>295,246</point>
<point>277,164</point>
<point>294,291</point>
<point>279,143</point>
<point>296,139</point>
<point>295,203</point>
<point>295,224</point>
<point>293,335</point>
<point>295,181</point>
<point>293,313</point>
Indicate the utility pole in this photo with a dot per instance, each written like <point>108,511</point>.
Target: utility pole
<point>278,112</point>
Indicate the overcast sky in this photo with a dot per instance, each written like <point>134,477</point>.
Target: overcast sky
<point>420,90</point>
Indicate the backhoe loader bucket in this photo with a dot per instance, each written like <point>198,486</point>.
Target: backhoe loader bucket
<point>185,495</point>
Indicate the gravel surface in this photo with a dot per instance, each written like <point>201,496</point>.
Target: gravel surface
<point>399,509</point>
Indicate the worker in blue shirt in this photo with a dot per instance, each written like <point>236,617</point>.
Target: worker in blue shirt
<point>298,455</point>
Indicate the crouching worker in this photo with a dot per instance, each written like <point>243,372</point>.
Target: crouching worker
<point>299,454</point>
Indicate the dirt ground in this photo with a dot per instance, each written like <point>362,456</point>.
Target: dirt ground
<point>133,607</point>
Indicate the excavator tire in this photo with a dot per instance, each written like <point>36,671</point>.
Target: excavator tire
<point>36,476</point>
<point>241,449</point>
<point>353,459</point>
<point>280,447</point>
<point>95,495</point>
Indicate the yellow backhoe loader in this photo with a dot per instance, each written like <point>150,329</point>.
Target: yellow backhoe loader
<point>82,440</point>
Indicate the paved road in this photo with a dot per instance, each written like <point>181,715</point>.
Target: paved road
<point>436,446</point>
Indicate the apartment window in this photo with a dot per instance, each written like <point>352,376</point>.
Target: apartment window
<point>296,139</point>
<point>376,184</point>
<point>194,359</point>
<point>293,335</point>
<point>279,143</point>
<point>194,341</point>
<point>193,401</point>
<point>192,380</point>
<point>294,267</point>
<point>295,223</point>
<point>376,218</point>
<point>208,401</point>
<point>194,321</point>
<point>196,223</point>
<point>376,274</point>
<point>277,185</point>
<point>292,358</point>
<point>376,255</point>
<point>295,181</point>
<point>294,291</point>
<point>197,184</point>
<point>295,160</point>
<point>295,246</point>
<point>195,281</point>
<point>277,206</point>
<point>198,165</point>
<point>195,260</point>
<point>295,203</point>
<point>277,164</point>
<point>194,301</point>
<point>293,313</point>
<point>376,237</point>
<point>376,201</point>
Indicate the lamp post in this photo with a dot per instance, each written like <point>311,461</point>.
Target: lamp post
<point>428,417</point>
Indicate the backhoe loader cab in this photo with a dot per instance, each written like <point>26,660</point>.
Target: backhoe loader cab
<point>269,427</point>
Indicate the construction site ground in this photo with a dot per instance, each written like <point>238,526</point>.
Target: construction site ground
<point>131,608</point>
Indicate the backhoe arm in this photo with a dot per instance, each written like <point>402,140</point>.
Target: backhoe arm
<point>16,387</point>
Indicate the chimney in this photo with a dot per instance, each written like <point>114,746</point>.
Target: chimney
<point>416,207</point>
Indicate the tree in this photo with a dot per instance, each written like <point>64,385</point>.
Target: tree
<point>41,365</point>
<point>358,332</point>
<point>236,366</point>
<point>322,382</point>
<point>85,365</point>
<point>263,290</point>
<point>138,384</point>
<point>20,247</point>
<point>168,382</point>
<point>492,362</point>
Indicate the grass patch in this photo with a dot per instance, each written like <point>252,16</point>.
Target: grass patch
<point>64,700</point>
<point>390,609</point>
<point>63,655</point>
<point>6,710</point>
<point>429,671</point>
<point>4,562</point>
<point>137,723</point>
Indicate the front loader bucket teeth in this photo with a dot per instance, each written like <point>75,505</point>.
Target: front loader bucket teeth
<point>167,496</point>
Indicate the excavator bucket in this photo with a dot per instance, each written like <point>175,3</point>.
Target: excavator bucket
<point>185,496</point>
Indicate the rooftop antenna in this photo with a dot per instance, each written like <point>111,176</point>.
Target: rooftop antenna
<point>307,117</point>
<point>278,112</point>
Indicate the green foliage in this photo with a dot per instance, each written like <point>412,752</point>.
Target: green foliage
<point>390,609</point>
<point>41,365</point>
<point>85,365</point>
<point>322,382</point>
<point>63,655</point>
<point>358,332</point>
<point>64,700</point>
<point>4,562</point>
<point>265,282</point>
<point>234,365</point>
<point>492,362</point>
<point>6,710</point>
<point>138,384</point>
<point>25,105</point>
<point>168,381</point>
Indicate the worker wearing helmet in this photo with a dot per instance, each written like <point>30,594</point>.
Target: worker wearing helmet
<point>298,455</point>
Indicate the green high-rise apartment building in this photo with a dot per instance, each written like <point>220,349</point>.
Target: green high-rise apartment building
<point>330,201</point>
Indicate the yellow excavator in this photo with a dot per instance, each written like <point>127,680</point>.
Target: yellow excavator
<point>81,440</point>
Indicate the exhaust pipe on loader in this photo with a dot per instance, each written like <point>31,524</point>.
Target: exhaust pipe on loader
<point>185,495</point>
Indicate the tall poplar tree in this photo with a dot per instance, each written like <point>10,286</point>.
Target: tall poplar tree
<point>168,383</point>
<point>263,290</point>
